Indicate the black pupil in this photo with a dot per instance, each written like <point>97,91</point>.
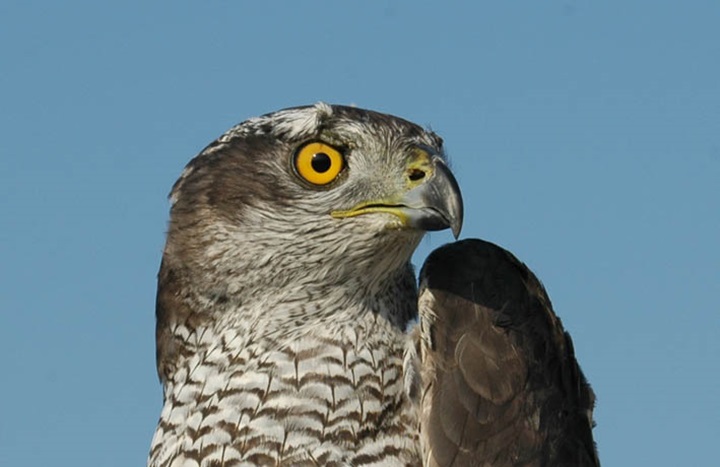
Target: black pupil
<point>321,162</point>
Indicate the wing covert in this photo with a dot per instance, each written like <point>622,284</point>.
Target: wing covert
<point>501,385</point>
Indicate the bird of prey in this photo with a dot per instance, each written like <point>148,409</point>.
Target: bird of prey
<point>291,329</point>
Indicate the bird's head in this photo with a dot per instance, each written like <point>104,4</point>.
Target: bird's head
<point>310,195</point>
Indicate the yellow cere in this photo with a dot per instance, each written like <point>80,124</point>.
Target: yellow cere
<point>319,163</point>
<point>420,163</point>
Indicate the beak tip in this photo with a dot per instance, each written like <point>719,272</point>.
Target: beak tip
<point>456,221</point>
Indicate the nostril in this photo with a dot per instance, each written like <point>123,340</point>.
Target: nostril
<point>416,174</point>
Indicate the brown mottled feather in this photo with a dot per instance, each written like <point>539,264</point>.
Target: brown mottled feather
<point>501,383</point>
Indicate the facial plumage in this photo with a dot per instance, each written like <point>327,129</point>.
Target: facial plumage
<point>241,201</point>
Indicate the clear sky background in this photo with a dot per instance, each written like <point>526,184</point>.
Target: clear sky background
<point>585,136</point>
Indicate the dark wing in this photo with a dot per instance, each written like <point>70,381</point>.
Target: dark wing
<point>501,385</point>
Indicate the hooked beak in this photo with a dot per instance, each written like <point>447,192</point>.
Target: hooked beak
<point>435,203</point>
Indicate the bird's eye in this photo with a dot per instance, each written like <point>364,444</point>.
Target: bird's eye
<point>318,163</point>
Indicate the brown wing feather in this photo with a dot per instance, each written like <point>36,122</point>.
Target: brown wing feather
<point>501,385</point>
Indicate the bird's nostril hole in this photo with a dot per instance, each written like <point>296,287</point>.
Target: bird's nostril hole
<point>416,174</point>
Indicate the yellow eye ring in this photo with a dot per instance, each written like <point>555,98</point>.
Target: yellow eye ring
<point>319,163</point>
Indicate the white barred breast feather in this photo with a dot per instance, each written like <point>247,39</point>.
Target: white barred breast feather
<point>318,399</point>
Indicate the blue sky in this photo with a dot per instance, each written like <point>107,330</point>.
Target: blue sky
<point>585,136</point>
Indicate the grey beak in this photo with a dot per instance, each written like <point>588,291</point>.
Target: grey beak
<point>437,203</point>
